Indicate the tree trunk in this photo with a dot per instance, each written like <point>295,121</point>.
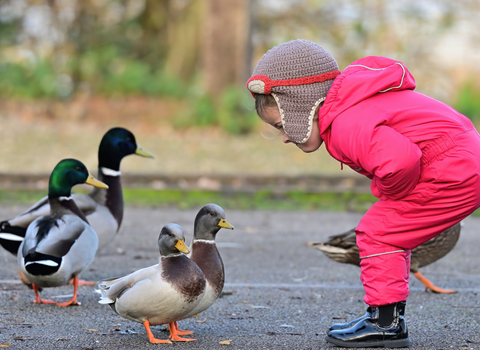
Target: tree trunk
<point>226,44</point>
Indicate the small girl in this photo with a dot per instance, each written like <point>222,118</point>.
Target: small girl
<point>422,156</point>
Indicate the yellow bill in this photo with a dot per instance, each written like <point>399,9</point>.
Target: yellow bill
<point>182,247</point>
<point>141,152</point>
<point>223,223</point>
<point>94,182</point>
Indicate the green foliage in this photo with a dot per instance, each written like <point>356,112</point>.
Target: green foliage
<point>230,112</point>
<point>468,101</point>
<point>200,111</point>
<point>233,113</point>
<point>105,71</point>
<point>33,80</point>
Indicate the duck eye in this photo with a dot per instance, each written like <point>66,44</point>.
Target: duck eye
<point>79,168</point>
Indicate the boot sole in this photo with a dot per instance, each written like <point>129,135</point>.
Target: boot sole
<point>398,343</point>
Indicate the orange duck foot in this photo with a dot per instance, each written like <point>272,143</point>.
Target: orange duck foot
<point>151,337</point>
<point>84,283</point>
<point>174,333</point>
<point>39,300</point>
<point>182,331</point>
<point>430,286</point>
<point>74,300</point>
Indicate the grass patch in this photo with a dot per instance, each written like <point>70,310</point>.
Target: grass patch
<point>261,200</point>
<point>181,199</point>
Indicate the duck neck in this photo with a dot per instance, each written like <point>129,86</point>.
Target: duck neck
<point>61,205</point>
<point>206,255</point>
<point>112,197</point>
<point>109,157</point>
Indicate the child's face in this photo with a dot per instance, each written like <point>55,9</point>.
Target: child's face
<point>271,115</point>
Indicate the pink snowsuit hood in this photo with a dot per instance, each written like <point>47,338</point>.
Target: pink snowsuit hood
<point>352,129</point>
<point>362,79</point>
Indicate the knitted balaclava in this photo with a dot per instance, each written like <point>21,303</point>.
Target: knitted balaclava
<point>298,74</point>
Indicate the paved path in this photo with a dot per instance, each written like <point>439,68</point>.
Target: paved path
<point>279,293</point>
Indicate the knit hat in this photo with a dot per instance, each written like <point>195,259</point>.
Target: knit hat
<point>298,74</point>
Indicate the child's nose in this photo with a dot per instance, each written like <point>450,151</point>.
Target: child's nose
<point>286,139</point>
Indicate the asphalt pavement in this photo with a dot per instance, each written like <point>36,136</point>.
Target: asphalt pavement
<point>279,293</point>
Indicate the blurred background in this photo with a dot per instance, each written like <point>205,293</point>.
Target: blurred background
<point>174,73</point>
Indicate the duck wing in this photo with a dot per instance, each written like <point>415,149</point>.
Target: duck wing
<point>41,208</point>
<point>112,288</point>
<point>49,239</point>
<point>436,248</point>
<point>13,231</point>
<point>341,248</point>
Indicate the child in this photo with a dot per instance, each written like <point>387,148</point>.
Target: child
<point>423,158</point>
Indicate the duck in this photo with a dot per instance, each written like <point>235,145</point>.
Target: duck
<point>159,294</point>
<point>343,248</point>
<point>59,246</point>
<point>208,221</point>
<point>102,207</point>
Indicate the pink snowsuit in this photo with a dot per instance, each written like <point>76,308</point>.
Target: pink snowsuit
<point>423,158</point>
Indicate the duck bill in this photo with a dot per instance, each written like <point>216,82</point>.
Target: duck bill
<point>182,247</point>
<point>94,182</point>
<point>141,152</point>
<point>224,224</point>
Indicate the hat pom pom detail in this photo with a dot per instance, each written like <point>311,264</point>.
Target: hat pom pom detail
<point>256,86</point>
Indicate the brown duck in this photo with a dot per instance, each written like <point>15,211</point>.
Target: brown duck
<point>343,248</point>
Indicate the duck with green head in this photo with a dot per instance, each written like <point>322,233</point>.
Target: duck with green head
<point>61,245</point>
<point>102,207</point>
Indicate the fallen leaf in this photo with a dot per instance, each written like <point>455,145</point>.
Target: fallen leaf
<point>92,330</point>
<point>14,297</point>
<point>201,321</point>
<point>225,342</point>
<point>5,345</point>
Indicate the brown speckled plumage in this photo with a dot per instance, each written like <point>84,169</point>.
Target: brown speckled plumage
<point>343,248</point>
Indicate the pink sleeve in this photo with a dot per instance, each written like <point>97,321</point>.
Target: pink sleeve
<point>392,159</point>
<point>394,162</point>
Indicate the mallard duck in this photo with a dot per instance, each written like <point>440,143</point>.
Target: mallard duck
<point>209,220</point>
<point>343,248</point>
<point>102,207</point>
<point>159,294</point>
<point>59,246</point>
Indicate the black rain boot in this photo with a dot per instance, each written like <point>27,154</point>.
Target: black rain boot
<point>337,326</point>
<point>385,328</point>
